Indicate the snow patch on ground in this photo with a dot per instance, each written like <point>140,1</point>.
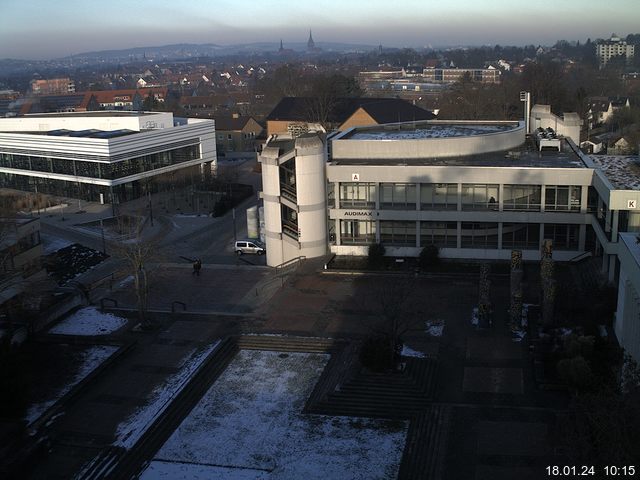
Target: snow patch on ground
<point>130,431</point>
<point>89,321</point>
<point>125,281</point>
<point>189,471</point>
<point>435,328</point>
<point>250,419</point>
<point>409,352</point>
<point>90,359</point>
<point>52,244</point>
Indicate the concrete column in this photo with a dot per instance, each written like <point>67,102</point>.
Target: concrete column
<point>459,202</point>
<point>582,237</point>
<point>336,193</point>
<point>605,262</point>
<point>378,191</point>
<point>542,197</point>
<point>614,225</point>
<point>338,232</point>
<point>500,202</point>
<point>612,268</point>
<point>541,239</point>
<point>500,229</point>
<point>418,239</point>
<point>377,230</point>
<point>584,199</point>
<point>418,196</point>
<point>459,226</point>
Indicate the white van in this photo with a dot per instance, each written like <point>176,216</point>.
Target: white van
<point>249,246</point>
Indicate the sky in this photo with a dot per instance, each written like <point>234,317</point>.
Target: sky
<point>44,29</point>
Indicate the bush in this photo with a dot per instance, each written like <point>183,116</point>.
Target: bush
<point>429,256</point>
<point>575,371</point>
<point>376,354</point>
<point>376,255</point>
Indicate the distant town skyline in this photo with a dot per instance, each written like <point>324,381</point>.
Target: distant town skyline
<point>40,29</point>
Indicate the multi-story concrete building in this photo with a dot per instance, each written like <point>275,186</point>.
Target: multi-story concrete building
<point>614,47</point>
<point>53,86</point>
<point>477,190</point>
<point>453,75</point>
<point>102,156</point>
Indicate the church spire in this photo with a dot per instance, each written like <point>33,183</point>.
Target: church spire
<point>310,43</point>
<point>281,46</point>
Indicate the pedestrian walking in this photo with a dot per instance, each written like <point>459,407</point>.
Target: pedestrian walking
<point>197,266</point>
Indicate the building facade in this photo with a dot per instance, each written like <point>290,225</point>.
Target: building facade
<point>477,190</point>
<point>614,47</point>
<point>102,156</point>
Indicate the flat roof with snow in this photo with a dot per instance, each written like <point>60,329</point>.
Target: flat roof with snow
<point>424,130</point>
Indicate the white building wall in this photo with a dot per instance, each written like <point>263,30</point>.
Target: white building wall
<point>311,196</point>
<point>272,213</point>
<point>627,320</point>
<point>83,121</point>
<point>345,147</point>
<point>568,126</point>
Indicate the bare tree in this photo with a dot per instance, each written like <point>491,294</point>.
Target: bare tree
<point>140,256</point>
<point>389,302</point>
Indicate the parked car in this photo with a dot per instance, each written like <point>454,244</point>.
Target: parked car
<point>249,246</point>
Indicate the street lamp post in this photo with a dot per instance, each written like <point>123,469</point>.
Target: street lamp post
<point>150,207</point>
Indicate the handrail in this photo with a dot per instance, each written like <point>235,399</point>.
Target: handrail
<point>294,262</point>
<point>582,256</point>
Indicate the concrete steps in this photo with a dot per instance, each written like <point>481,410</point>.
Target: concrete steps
<point>129,462</point>
<point>282,343</point>
<point>383,395</point>
<point>423,456</point>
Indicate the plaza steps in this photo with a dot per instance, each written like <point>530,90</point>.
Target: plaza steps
<point>426,445</point>
<point>285,343</point>
<point>128,464</point>
<point>103,463</point>
<point>382,395</point>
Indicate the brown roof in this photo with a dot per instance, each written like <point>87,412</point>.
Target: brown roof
<point>108,96</point>
<point>229,123</point>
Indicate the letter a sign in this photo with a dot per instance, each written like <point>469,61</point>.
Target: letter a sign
<point>355,177</point>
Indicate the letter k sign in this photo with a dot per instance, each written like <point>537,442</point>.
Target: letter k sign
<point>631,203</point>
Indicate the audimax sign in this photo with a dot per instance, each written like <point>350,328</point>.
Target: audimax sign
<point>359,213</point>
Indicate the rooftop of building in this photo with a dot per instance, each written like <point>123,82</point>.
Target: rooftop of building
<point>623,171</point>
<point>525,156</point>
<point>434,129</point>
<point>99,113</point>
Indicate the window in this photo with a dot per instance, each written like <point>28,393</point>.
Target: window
<point>522,197</point>
<point>564,237</point>
<point>562,198</point>
<point>399,233</point>
<point>288,179</point>
<point>521,235</point>
<point>439,196</point>
<point>479,197</point>
<point>357,232</point>
<point>357,195</point>
<point>479,235</point>
<point>289,221</point>
<point>398,196</point>
<point>441,234</point>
